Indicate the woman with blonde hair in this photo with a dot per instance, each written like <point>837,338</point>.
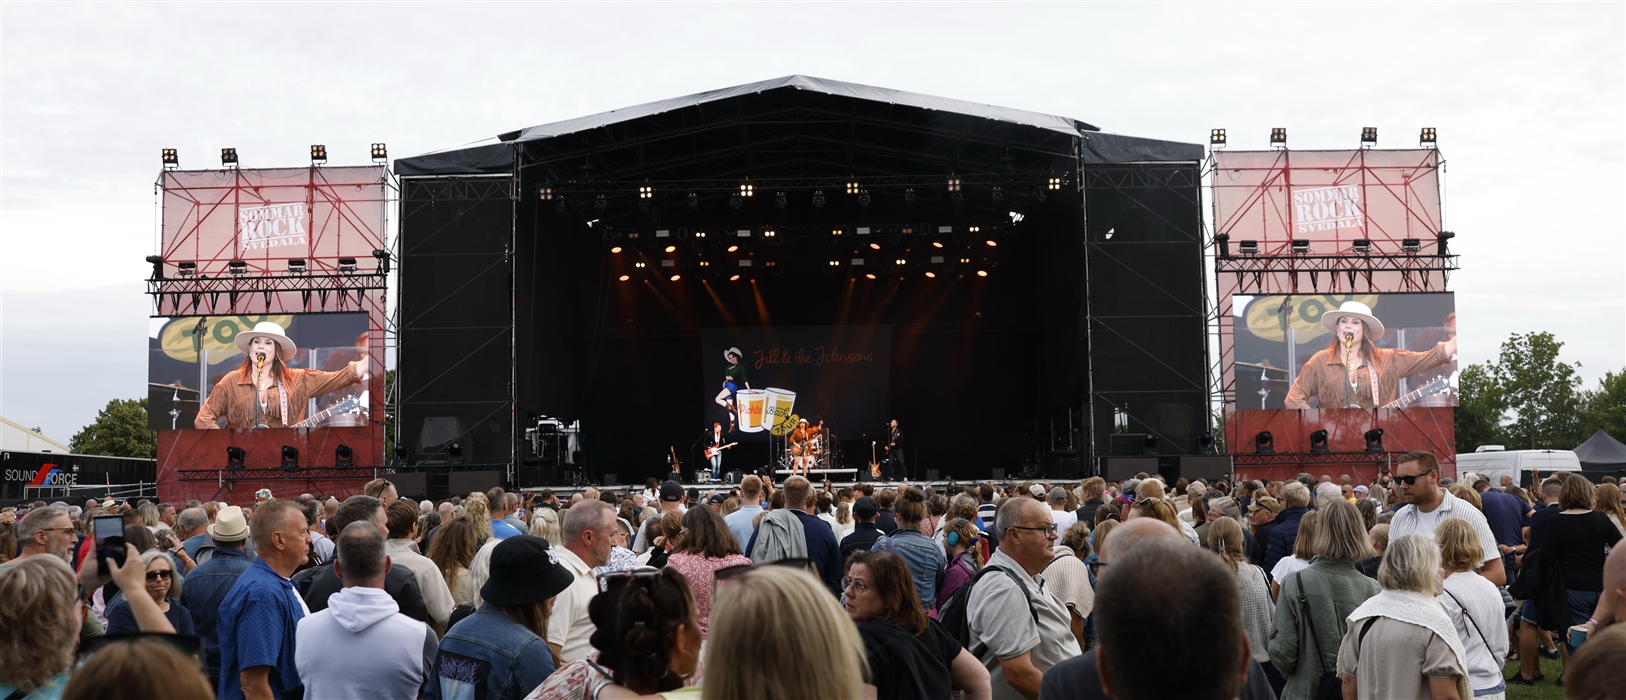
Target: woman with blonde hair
<point>1313,603</point>
<point>478,511</point>
<point>811,650</point>
<point>1400,643</point>
<point>545,524</point>
<point>1258,611</point>
<point>1607,501</point>
<point>843,525</point>
<point>1303,552</point>
<point>1474,604</point>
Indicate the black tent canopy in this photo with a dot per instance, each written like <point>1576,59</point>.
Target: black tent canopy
<point>1601,452</point>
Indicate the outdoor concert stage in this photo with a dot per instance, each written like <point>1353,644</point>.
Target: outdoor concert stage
<point>1000,282</point>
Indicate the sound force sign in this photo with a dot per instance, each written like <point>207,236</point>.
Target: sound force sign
<point>272,226</point>
<point>1327,208</point>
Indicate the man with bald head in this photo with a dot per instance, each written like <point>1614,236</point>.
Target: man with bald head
<point>1019,629</point>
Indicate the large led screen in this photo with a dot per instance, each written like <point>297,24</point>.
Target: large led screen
<point>762,381</point>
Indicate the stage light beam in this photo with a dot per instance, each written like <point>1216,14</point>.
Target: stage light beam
<point>671,249</point>
<point>982,273</point>
<point>625,278</point>
<point>1216,137</point>
<point>172,159</point>
<point>875,246</point>
<point>616,250</point>
<point>318,154</point>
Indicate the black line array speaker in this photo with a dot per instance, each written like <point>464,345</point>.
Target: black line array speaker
<point>465,483</point>
<point>1210,468</point>
<point>410,485</point>
<point>1121,468</point>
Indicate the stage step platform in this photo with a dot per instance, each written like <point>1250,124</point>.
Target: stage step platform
<point>819,471</point>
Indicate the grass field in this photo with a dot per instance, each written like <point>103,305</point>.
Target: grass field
<point>1547,690</point>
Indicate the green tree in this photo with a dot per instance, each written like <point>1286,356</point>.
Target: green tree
<point>120,430</point>
<point>1541,393</point>
<point>1606,407</point>
<point>1480,409</point>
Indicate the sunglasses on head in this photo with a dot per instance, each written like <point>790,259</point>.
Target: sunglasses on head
<point>729,573</point>
<point>642,574</point>
<point>184,643</point>
<point>1409,480</point>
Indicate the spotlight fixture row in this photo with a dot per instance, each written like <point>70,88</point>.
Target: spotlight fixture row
<point>1369,137</point>
<point>171,158</point>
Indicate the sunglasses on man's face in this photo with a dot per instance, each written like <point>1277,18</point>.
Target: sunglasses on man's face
<point>1410,480</point>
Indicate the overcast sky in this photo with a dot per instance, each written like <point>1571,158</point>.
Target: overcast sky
<point>1528,100</point>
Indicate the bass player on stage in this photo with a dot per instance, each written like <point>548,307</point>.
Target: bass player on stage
<point>733,380</point>
<point>265,393</point>
<point>1354,373</point>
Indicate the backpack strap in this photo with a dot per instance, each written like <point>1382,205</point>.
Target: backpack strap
<point>1020,586</point>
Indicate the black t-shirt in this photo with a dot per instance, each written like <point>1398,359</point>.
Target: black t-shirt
<point>906,666</point>
<point>1576,542</point>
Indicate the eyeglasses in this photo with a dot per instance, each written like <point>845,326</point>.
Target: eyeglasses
<point>1048,529</point>
<point>854,585</point>
<point>1409,480</point>
<point>729,573</point>
<point>155,575</point>
<point>56,529</point>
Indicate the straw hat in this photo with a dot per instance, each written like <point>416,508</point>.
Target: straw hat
<point>1361,311</point>
<point>267,329</point>
<point>229,525</point>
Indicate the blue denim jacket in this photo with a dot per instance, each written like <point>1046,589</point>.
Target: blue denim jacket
<point>490,649</point>
<point>924,557</point>
<point>205,587</point>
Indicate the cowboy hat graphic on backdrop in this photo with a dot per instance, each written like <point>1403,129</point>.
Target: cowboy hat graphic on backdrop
<point>732,354</point>
<point>267,329</point>
<point>1374,327</point>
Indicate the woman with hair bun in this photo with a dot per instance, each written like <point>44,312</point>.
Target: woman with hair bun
<point>922,554</point>
<point>647,638</point>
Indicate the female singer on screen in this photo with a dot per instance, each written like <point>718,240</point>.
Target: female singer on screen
<point>1353,372</point>
<point>264,392</point>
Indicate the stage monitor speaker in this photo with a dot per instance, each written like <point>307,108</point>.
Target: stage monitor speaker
<point>465,483</point>
<point>1121,468</point>
<point>675,476</point>
<point>1209,468</point>
<point>732,477</point>
<point>997,474</point>
<point>1063,465</point>
<point>611,480</point>
<point>536,476</point>
<point>410,485</point>
<point>931,475</point>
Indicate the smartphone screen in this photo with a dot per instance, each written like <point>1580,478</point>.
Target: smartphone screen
<point>108,526</point>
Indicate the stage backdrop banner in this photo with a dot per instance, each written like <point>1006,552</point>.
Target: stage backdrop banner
<point>192,352</point>
<point>1282,342</point>
<point>1329,198</point>
<point>268,217</point>
<point>836,373</point>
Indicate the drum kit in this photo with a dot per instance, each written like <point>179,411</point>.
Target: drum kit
<point>175,401</point>
<point>1267,384</point>
<point>773,410</point>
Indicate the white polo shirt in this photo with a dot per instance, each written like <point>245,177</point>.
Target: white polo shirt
<point>570,628</point>
<point>1411,521</point>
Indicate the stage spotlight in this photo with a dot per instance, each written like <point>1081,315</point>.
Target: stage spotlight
<point>616,250</point>
<point>237,267</point>
<point>747,189</point>
<point>909,196</point>
<point>1369,135</point>
<point>172,159</point>
<point>863,198</point>
<point>875,246</point>
<point>869,275</point>
<point>734,278</point>
<point>228,157</point>
<point>1301,246</point>
<point>1216,137</point>
<point>383,258</point>
<point>779,200</point>
<point>1442,238</point>
<point>380,154</point>
<point>455,450</point>
<point>290,457</point>
<point>818,199</point>
<point>982,273</point>
<point>1426,136</point>
<point>999,194</point>
<point>1040,196</point>
<point>1205,441</point>
<point>937,244</point>
<point>1055,183</point>
<point>296,267</point>
<point>1222,245</point>
<point>991,243</point>
<point>1411,245</point>
<point>1361,245</point>
<point>676,277</point>
<point>403,453</point>
<point>625,278</point>
<point>559,205</point>
<point>640,264</point>
<point>671,249</point>
<point>157,266</point>
<point>733,248</point>
<point>318,154</point>
<point>1278,137</point>
<point>768,234</point>
<point>546,193</point>
<point>953,184</point>
<point>343,457</point>
<point>347,265</point>
<point>735,202</point>
<point>1148,444</point>
<point>600,203</point>
<point>1374,440</point>
<point>931,274</point>
<point>645,192</point>
<point>234,457</point>
<point>186,269</point>
<point>694,202</point>
<point>1264,444</point>
<point>1248,247</point>
<point>835,232</point>
<point>1318,442</point>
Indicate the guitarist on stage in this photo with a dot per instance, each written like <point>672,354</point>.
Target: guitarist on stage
<point>714,451</point>
<point>1355,373</point>
<point>264,392</point>
<point>892,466</point>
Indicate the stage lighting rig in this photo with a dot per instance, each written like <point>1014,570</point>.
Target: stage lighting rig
<point>1369,136</point>
<point>296,267</point>
<point>237,267</point>
<point>347,265</point>
<point>1222,245</point>
<point>1247,247</point>
<point>343,457</point>
<point>1374,440</point>
<point>852,187</point>
<point>1278,137</point>
<point>545,193</point>
<point>1216,138</point>
<point>1426,138</point>
<point>1411,245</point>
<point>735,202</point>
<point>380,154</point>
<point>234,457</point>
<point>318,154</point>
<point>1301,246</point>
<point>228,157</point>
<point>1361,245</point>
<point>909,196</point>
<point>747,189</point>
<point>645,192</point>
<point>953,183</point>
<point>290,457</point>
<point>1318,442</point>
<point>1148,444</point>
<point>694,202</point>
<point>383,258</point>
<point>186,269</point>
<point>818,199</point>
<point>998,194</point>
<point>1442,239</point>
<point>157,266</point>
<point>172,159</point>
<point>1055,183</point>
<point>779,200</point>
<point>863,198</point>
<point>600,203</point>
<point>1264,443</point>
<point>455,450</point>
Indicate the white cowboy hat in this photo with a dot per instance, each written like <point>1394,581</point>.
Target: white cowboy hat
<point>267,329</point>
<point>1374,327</point>
<point>732,351</point>
<point>229,526</point>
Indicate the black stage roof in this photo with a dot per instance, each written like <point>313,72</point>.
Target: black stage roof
<point>798,125</point>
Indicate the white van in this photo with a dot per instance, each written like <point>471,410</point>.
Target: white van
<point>1492,464</point>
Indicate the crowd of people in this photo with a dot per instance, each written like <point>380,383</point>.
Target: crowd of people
<point>1412,586</point>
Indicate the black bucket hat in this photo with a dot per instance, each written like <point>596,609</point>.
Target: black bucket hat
<point>522,573</point>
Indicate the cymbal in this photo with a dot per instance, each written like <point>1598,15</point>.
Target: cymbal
<point>1266,366</point>
<point>1272,381</point>
<point>176,386</point>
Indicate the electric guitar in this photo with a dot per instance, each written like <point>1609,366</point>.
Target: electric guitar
<point>874,465</point>
<point>350,403</point>
<point>718,449</point>
<point>1437,385</point>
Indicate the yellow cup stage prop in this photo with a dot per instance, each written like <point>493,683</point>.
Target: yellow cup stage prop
<point>781,412</point>
<point>752,404</point>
